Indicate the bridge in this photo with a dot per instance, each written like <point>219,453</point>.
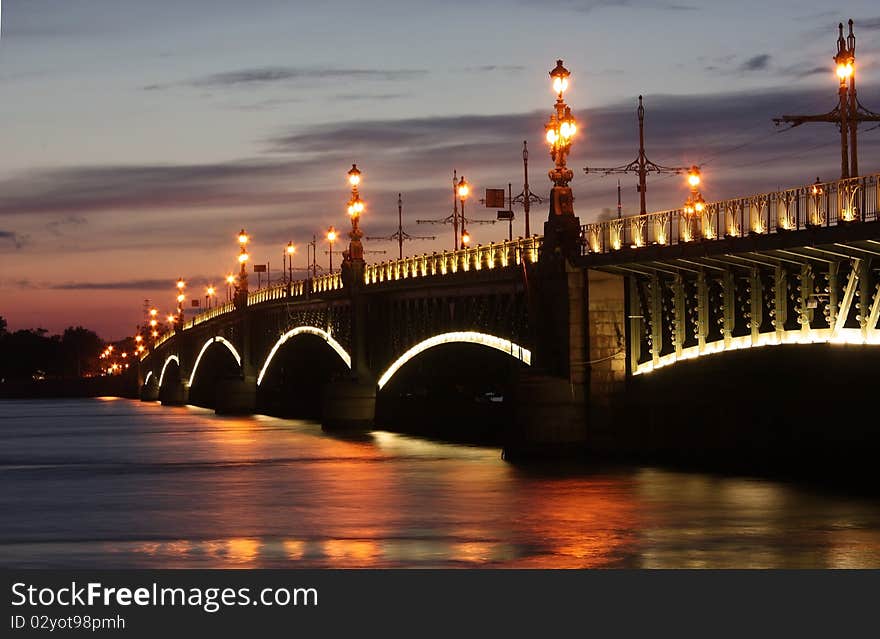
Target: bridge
<point>557,329</point>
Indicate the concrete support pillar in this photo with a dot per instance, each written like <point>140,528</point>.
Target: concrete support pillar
<point>236,396</point>
<point>350,404</point>
<point>150,391</point>
<point>174,393</point>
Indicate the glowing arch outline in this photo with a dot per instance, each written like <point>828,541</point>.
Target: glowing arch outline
<point>147,378</point>
<point>165,365</point>
<point>458,337</point>
<point>307,330</point>
<point>206,345</point>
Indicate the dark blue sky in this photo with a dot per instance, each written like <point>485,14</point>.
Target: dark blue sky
<point>138,137</point>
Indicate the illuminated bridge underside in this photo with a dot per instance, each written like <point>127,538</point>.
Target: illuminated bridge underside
<point>698,299</point>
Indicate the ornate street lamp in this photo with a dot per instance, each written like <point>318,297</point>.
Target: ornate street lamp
<point>560,129</point>
<point>209,295</point>
<point>241,286</point>
<point>562,229</point>
<point>355,208</point>
<point>464,189</point>
<point>695,204</point>
<point>181,296</point>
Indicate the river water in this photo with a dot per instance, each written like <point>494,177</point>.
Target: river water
<point>110,483</point>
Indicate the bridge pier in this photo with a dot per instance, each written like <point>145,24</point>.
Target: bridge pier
<point>174,393</point>
<point>149,392</point>
<point>550,419</point>
<point>236,396</point>
<point>349,404</point>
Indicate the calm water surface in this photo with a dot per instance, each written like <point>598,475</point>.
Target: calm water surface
<point>117,483</point>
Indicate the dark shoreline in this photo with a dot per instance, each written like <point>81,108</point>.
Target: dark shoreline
<point>83,387</point>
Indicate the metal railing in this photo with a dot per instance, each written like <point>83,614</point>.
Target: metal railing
<point>208,314</point>
<point>476,258</point>
<point>815,205</point>
<point>479,257</point>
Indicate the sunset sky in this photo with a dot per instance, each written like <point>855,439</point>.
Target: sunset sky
<point>139,137</point>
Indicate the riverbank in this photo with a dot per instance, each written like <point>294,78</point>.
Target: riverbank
<point>82,387</point>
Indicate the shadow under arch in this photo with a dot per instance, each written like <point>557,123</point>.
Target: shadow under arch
<point>168,360</point>
<point>212,365</point>
<point>301,363</point>
<point>457,386</point>
<point>214,340</point>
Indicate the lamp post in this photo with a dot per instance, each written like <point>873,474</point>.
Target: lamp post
<point>154,323</point>
<point>695,204</point>
<point>816,191</point>
<point>845,59</point>
<point>560,129</point>
<point>464,188</point>
<point>241,286</point>
<point>331,237</point>
<point>181,296</point>
<point>288,253</point>
<point>209,294</point>
<point>355,208</point>
<point>562,230</point>
<point>230,283</point>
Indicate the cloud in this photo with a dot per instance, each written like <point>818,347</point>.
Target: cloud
<point>56,227</point>
<point>77,190</point>
<point>15,239</point>
<point>245,78</point>
<point>489,68</point>
<point>756,63</point>
<point>298,184</point>
<point>587,6</point>
<point>136,285</point>
<point>370,96</point>
<point>867,24</point>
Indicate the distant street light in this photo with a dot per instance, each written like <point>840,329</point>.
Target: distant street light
<point>209,294</point>
<point>331,237</point>
<point>230,283</point>
<point>181,296</point>
<point>288,254</point>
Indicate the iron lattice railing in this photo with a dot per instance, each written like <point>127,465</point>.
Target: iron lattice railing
<point>815,205</point>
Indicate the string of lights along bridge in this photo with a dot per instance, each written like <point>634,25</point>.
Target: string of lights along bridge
<point>579,306</point>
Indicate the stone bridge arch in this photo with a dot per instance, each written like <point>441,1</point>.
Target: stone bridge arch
<point>293,376</point>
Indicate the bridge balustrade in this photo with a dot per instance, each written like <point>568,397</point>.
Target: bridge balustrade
<point>823,204</point>
<point>208,314</point>
<point>488,256</point>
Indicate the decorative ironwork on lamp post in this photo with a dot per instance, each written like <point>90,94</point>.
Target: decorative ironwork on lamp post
<point>562,229</point>
<point>181,296</point>
<point>355,251</point>
<point>463,189</point>
<point>560,129</point>
<point>241,286</point>
<point>695,204</point>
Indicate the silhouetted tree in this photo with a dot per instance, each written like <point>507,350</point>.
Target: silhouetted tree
<point>80,350</point>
